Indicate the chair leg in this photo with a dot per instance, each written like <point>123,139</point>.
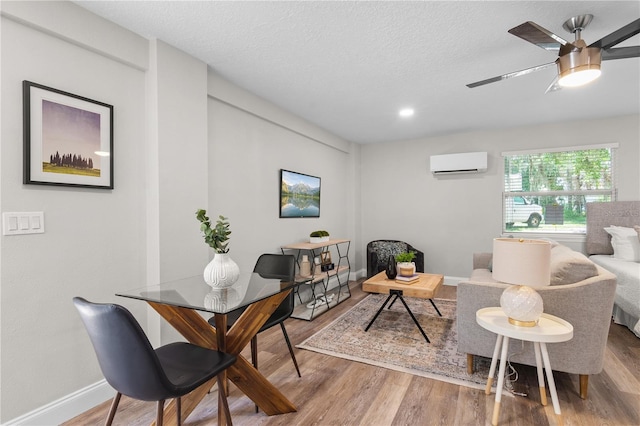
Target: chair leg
<point>584,385</point>
<point>293,356</point>
<point>179,410</point>
<point>254,351</point>
<point>160,413</point>
<point>254,356</point>
<point>469,363</point>
<point>222,398</point>
<point>112,410</point>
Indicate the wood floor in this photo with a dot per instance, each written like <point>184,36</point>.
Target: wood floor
<point>334,391</point>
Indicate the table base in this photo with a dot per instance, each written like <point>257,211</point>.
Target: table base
<point>243,374</point>
<point>398,295</point>
<point>502,342</point>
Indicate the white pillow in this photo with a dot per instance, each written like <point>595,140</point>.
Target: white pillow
<point>626,245</point>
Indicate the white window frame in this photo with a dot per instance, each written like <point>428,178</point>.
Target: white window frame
<point>578,236</point>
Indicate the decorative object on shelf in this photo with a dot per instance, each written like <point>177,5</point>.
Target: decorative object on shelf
<point>527,264</point>
<point>318,237</point>
<point>321,299</point>
<point>326,267</point>
<point>405,265</point>
<point>325,261</point>
<point>222,271</point>
<point>391,270</point>
<point>317,267</point>
<point>305,266</point>
<point>410,279</point>
<point>325,257</point>
<point>68,139</point>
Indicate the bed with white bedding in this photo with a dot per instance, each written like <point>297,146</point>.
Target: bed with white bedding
<point>613,242</point>
<point>626,308</point>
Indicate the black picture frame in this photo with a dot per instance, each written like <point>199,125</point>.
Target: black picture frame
<point>68,139</point>
<point>299,195</point>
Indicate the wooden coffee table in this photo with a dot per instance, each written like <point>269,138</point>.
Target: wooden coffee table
<point>425,287</point>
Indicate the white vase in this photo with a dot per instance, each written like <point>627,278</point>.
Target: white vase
<point>221,272</point>
<point>305,266</point>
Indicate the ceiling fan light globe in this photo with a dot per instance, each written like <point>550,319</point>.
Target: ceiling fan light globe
<point>579,67</point>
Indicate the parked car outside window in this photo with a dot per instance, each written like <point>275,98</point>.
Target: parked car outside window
<point>519,209</point>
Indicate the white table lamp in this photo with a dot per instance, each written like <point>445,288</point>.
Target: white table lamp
<point>525,263</point>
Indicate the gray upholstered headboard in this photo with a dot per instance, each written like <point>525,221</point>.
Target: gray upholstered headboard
<point>601,215</point>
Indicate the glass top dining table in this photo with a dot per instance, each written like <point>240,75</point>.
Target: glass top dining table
<point>194,293</point>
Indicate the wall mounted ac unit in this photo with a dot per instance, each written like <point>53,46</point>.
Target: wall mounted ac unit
<point>468,162</point>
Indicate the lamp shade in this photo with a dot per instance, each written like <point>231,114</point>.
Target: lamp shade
<point>521,261</point>
<point>527,264</point>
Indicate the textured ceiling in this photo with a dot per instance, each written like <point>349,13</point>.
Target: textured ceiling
<point>349,66</point>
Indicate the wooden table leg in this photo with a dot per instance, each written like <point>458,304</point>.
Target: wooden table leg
<point>249,380</point>
<point>223,390</point>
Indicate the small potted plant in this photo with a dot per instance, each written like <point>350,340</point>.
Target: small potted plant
<point>222,271</point>
<point>406,267</point>
<point>318,237</point>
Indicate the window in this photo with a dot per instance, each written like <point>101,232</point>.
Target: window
<point>547,191</point>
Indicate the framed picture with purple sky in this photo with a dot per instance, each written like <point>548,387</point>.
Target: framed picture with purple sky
<point>68,139</point>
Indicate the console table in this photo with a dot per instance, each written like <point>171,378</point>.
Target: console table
<point>310,304</point>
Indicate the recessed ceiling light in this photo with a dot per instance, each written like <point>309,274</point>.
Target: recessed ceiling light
<point>406,112</point>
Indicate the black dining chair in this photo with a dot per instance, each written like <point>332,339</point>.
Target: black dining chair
<point>133,368</point>
<point>277,266</point>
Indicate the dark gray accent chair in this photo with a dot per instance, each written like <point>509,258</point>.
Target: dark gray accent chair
<point>378,253</point>
<point>133,368</point>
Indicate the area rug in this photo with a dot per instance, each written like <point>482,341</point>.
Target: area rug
<point>394,341</point>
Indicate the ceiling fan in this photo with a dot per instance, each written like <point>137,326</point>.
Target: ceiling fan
<point>577,63</point>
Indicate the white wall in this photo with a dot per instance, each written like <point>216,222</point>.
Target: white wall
<point>94,239</point>
<point>453,216</point>
<point>249,142</point>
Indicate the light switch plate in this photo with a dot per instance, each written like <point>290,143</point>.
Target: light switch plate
<point>20,223</point>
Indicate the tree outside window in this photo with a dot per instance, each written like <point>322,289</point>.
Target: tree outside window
<point>548,191</point>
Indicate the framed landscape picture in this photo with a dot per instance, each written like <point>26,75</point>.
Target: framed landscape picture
<point>68,139</point>
<point>299,195</point>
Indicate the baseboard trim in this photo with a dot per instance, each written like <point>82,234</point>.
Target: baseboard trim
<point>67,407</point>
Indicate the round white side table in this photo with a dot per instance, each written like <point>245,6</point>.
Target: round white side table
<point>550,329</point>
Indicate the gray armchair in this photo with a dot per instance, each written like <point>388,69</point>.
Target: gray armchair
<point>378,253</point>
<point>586,302</point>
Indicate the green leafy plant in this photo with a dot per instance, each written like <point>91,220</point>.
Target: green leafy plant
<point>218,236</point>
<point>319,234</point>
<point>405,257</point>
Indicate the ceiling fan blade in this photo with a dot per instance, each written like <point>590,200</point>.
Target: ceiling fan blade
<point>618,36</point>
<point>621,53</point>
<point>510,75</point>
<point>541,37</point>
